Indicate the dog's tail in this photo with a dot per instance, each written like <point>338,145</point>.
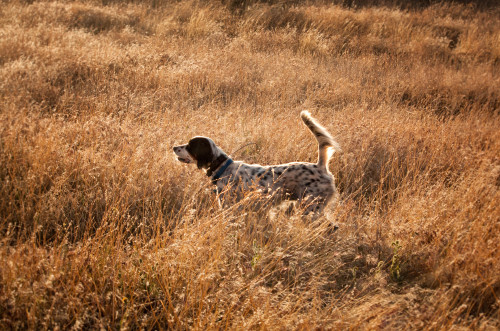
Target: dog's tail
<point>326,144</point>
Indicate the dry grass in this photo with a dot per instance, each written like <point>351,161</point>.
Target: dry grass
<point>102,228</point>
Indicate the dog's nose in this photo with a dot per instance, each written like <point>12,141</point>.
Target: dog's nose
<point>176,149</point>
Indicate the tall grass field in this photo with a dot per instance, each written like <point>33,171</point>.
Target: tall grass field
<point>102,228</point>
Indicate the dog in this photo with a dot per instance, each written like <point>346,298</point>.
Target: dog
<point>310,184</point>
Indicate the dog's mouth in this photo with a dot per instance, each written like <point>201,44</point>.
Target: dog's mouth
<point>183,160</point>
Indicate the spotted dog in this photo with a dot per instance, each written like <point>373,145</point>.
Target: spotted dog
<point>311,184</point>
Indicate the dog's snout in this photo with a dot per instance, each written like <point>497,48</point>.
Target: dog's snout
<point>176,149</point>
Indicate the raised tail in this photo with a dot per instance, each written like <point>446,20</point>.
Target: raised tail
<point>326,144</point>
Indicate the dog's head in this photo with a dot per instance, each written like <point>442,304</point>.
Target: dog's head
<point>199,150</point>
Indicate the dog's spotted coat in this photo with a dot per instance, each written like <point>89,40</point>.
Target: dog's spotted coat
<point>311,184</point>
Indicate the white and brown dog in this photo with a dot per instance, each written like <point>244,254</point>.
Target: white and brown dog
<point>311,184</point>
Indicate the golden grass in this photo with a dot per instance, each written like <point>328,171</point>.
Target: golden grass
<point>101,227</point>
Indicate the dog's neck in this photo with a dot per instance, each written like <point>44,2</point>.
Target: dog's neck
<point>216,164</point>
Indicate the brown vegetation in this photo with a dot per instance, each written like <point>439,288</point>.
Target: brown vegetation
<point>101,227</point>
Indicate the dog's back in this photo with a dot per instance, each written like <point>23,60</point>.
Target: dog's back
<point>310,183</point>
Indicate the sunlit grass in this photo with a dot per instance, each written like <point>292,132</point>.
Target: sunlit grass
<point>101,227</point>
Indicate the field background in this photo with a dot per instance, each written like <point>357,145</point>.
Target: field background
<point>101,227</point>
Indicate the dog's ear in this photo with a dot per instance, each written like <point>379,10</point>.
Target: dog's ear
<point>201,150</point>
